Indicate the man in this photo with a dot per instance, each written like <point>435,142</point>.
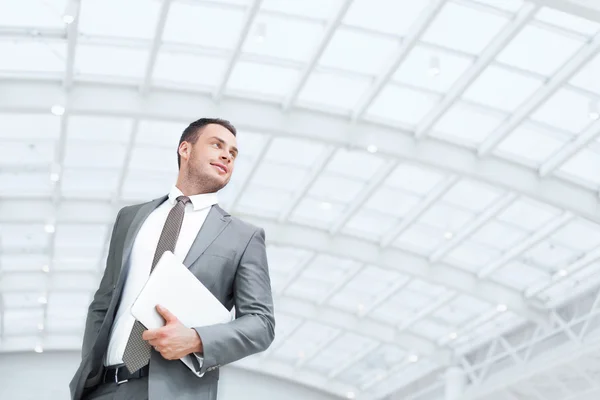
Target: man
<point>123,360</point>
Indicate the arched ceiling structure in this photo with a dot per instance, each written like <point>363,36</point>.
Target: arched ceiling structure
<point>427,174</point>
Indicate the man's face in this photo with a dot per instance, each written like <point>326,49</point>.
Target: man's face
<point>211,159</point>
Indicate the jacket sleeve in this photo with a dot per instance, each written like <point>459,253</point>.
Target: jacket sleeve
<point>253,330</point>
<point>99,305</point>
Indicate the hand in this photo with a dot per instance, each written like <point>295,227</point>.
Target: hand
<point>173,341</point>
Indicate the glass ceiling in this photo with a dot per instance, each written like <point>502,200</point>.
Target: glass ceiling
<point>428,174</point>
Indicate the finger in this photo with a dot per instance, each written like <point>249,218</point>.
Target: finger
<point>166,314</point>
<point>150,334</point>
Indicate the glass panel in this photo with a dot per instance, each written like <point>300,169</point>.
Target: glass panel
<point>26,56</point>
<point>114,18</point>
<point>432,69</point>
<point>530,143</point>
<point>539,50</point>
<point>354,51</point>
<point>465,123</point>
<point>500,88</point>
<point>338,91</point>
<point>206,21</point>
<point>398,104</point>
<point>96,60</point>
<point>189,69</point>
<point>319,9</point>
<point>262,79</point>
<point>390,16</point>
<point>567,21</point>
<point>443,30</point>
<point>283,38</point>
<point>32,13</point>
<point>566,109</point>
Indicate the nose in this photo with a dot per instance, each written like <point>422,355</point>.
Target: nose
<point>225,156</point>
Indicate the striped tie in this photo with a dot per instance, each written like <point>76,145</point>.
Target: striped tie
<point>137,350</point>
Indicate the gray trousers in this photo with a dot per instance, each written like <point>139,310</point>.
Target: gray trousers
<point>135,389</point>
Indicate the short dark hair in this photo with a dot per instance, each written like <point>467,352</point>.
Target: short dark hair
<point>191,133</point>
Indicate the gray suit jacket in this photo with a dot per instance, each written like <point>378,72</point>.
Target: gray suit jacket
<point>229,257</point>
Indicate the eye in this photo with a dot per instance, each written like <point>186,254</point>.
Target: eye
<point>217,145</point>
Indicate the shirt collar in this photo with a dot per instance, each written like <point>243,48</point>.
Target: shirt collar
<point>199,201</point>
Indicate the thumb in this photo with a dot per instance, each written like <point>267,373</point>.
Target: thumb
<point>166,314</point>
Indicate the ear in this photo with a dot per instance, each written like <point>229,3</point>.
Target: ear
<point>184,150</point>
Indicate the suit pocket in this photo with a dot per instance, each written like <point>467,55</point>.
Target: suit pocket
<point>219,251</point>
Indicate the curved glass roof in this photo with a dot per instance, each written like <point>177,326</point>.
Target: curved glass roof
<point>428,175</point>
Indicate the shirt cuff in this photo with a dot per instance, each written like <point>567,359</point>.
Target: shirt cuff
<point>200,359</point>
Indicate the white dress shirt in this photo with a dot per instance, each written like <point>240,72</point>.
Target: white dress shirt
<point>142,255</point>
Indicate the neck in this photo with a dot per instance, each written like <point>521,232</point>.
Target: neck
<point>188,188</point>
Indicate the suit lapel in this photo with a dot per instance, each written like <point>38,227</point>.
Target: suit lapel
<point>143,212</point>
<point>216,220</point>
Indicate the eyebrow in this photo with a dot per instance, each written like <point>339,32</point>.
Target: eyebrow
<point>223,142</point>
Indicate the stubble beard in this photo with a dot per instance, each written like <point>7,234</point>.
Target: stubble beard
<point>202,180</point>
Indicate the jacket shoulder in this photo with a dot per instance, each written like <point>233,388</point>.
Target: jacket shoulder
<point>240,224</point>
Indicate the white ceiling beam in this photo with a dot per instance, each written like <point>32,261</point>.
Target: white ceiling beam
<point>524,245</point>
<point>466,366</point>
<point>408,43</point>
<point>34,97</point>
<point>59,161</point>
<point>577,265</point>
<point>251,13</point>
<point>581,8</point>
<point>156,44</point>
<point>319,50</point>
<point>472,326</point>
<point>342,283</point>
<point>358,355</point>
<point>535,335</point>
<point>352,322</point>
<point>511,30</point>
<point>510,350</point>
<point>571,148</point>
<point>561,355</point>
<point>2,327</point>
<point>487,363</point>
<point>430,309</point>
<point>14,32</point>
<point>317,168</point>
<point>394,259</point>
<point>72,34</point>
<point>571,67</point>
<point>295,273</point>
<point>496,208</point>
<point>317,350</point>
<point>528,345</point>
<point>281,339</point>
<point>428,202</point>
<point>371,187</point>
<point>586,324</point>
<point>260,157</point>
<point>566,328</point>
<point>343,246</point>
<point>394,287</point>
<point>118,194</point>
<point>423,391</point>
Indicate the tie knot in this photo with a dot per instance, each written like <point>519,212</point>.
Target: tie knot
<point>183,199</point>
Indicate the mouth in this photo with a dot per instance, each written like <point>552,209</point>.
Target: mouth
<point>220,167</point>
